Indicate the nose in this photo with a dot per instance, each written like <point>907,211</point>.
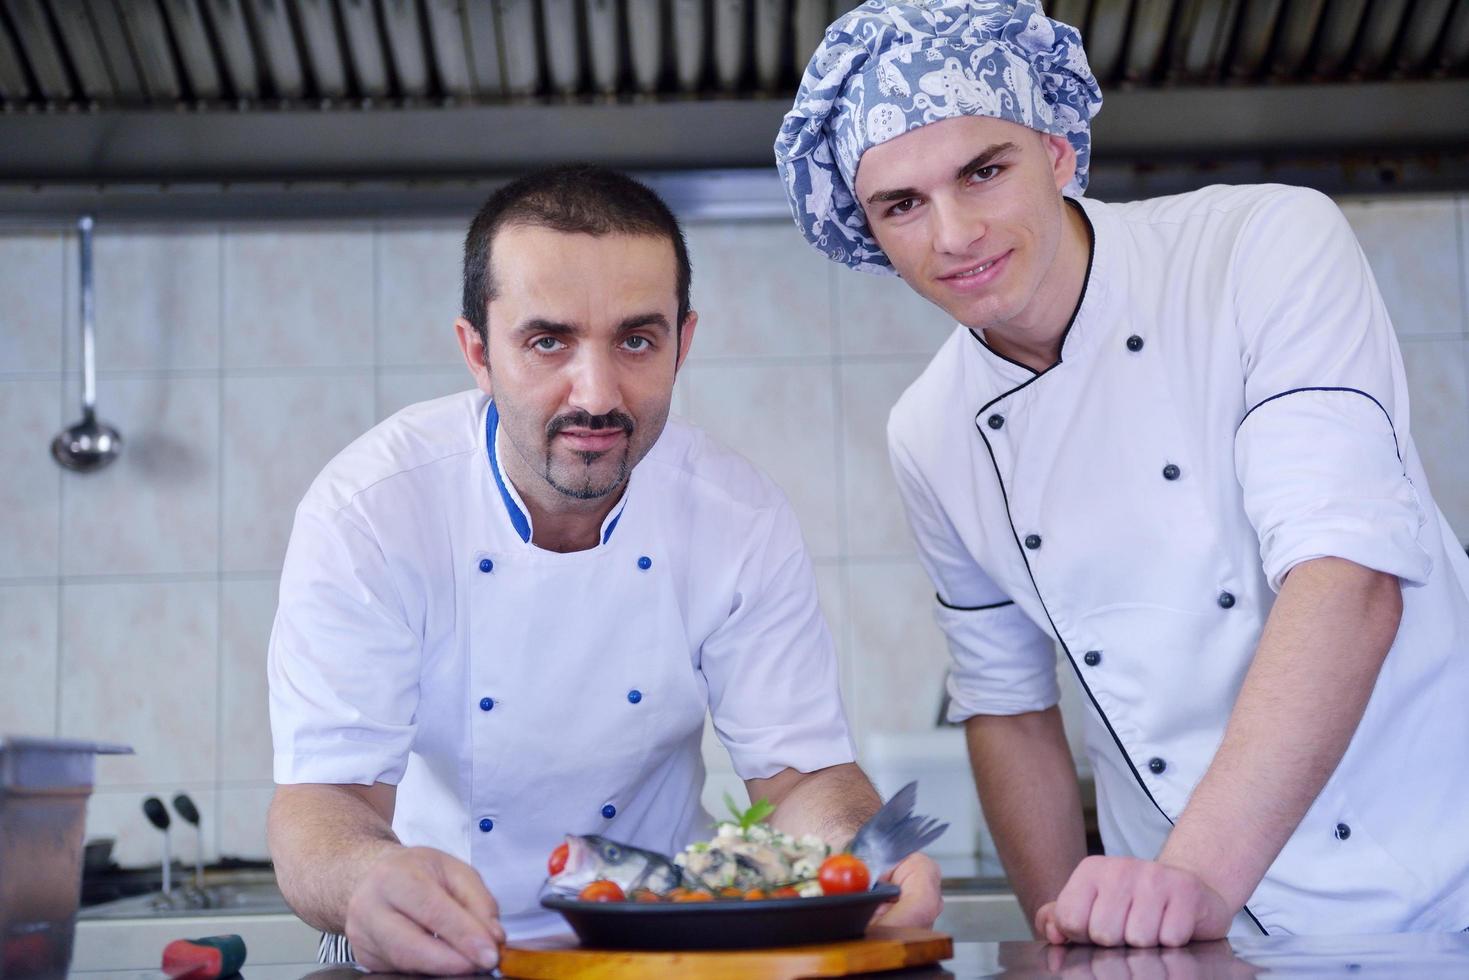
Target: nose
<point>955,228</point>
<point>594,384</point>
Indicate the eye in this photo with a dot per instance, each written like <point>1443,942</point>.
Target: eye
<point>546,344</point>
<point>612,853</point>
<point>637,343</point>
<point>984,174</point>
<point>903,207</point>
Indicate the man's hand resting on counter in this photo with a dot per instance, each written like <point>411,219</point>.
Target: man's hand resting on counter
<point>418,910</point>
<point>1121,901</point>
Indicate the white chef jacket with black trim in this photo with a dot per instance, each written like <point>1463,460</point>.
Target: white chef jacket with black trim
<point>515,695</point>
<point>1229,402</point>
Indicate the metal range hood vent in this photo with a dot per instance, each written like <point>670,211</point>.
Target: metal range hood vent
<point>243,55</point>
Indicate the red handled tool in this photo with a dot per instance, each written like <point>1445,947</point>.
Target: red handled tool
<point>204,959</point>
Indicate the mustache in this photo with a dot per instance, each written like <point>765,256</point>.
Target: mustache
<point>585,420</point>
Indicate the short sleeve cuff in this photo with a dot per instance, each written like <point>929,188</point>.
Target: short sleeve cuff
<point>1322,478</point>
<point>339,767</point>
<point>803,753</point>
<point>1003,664</point>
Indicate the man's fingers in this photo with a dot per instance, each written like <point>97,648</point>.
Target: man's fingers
<point>1109,917</point>
<point>1176,926</point>
<point>1045,925</point>
<point>1144,916</point>
<point>394,943</point>
<point>468,889</point>
<point>438,912</point>
<point>1073,911</point>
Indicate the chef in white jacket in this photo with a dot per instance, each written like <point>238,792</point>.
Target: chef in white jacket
<point>505,614</point>
<point>1172,439</point>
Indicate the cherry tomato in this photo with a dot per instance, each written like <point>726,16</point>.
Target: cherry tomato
<point>557,862</point>
<point>602,891</point>
<point>785,891</point>
<point>730,891</point>
<point>644,895</point>
<point>693,896</point>
<point>843,873</point>
<point>754,895</point>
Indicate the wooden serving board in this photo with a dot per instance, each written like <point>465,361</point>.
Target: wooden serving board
<point>883,948</point>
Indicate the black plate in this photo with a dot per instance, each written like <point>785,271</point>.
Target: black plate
<point>738,924</point>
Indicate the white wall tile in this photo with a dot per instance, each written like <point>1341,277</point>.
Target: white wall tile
<point>118,813</point>
<point>1438,392</point>
<point>244,707</point>
<point>881,315</point>
<point>875,522</point>
<point>419,286</point>
<point>278,434</point>
<point>156,507</point>
<point>899,659</point>
<point>139,665</point>
<point>30,490</point>
<point>32,316</point>
<point>298,298</point>
<point>397,389</point>
<point>783,418</point>
<point>242,821</point>
<point>158,303</point>
<point>760,290</point>
<point>1413,247</point>
<point>831,586</point>
<point>28,655</point>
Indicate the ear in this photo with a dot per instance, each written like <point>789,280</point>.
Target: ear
<point>476,357</point>
<point>686,337</point>
<point>1063,158</point>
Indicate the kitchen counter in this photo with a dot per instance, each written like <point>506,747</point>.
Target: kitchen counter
<point>1411,955</point>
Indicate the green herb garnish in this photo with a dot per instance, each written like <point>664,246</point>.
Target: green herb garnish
<point>759,812</point>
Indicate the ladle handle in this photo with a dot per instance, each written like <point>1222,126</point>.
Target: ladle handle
<point>89,367</point>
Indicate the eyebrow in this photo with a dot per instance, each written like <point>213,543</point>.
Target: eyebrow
<point>536,325</point>
<point>978,163</point>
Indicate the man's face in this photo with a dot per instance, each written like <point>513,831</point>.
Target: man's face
<point>582,354</point>
<point>969,213</point>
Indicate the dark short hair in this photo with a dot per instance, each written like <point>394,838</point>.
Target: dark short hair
<point>574,199</point>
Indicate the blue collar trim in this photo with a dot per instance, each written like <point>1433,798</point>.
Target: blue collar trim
<point>517,516</point>
<point>518,519</point>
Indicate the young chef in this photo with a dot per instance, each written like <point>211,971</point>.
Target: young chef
<point>502,620</point>
<point>1173,438</point>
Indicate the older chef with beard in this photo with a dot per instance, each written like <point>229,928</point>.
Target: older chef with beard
<point>505,614</point>
<point>1171,437</point>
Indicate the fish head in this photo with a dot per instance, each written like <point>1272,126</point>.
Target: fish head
<point>590,857</point>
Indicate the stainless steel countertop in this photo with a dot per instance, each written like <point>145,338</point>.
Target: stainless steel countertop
<point>1407,955</point>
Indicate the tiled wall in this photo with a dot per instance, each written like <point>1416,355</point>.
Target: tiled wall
<point>135,603</point>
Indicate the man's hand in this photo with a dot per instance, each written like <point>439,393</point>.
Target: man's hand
<point>1118,901</point>
<point>921,901</point>
<point>418,910</point>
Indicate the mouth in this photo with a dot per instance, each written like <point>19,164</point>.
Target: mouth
<point>975,275</point>
<point>591,440</point>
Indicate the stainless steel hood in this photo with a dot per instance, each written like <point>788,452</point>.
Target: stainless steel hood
<point>423,100</point>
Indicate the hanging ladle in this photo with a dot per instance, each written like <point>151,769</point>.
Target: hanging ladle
<point>89,445</point>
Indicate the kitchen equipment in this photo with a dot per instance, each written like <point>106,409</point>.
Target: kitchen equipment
<point>44,785</point>
<point>738,924</point>
<point>88,445</point>
<point>157,815</point>
<point>881,949</point>
<point>204,959</point>
<point>185,808</point>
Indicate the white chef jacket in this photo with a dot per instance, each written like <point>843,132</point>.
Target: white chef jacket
<point>516,695</point>
<point>1229,402</point>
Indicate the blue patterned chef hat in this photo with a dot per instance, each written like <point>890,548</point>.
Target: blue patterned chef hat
<point>889,66</point>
